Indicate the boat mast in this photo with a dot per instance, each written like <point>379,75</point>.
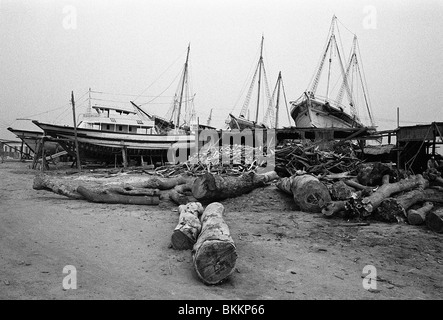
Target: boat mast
<point>185,71</point>
<point>278,99</point>
<point>260,65</point>
<point>208,122</point>
<point>89,102</point>
<point>323,58</point>
<point>330,56</point>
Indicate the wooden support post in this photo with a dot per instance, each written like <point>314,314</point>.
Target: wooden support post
<point>43,153</point>
<point>125,159</point>
<point>36,154</point>
<point>21,152</point>
<point>79,165</point>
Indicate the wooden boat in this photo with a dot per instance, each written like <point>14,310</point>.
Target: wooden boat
<point>241,122</point>
<point>106,133</point>
<point>31,140</point>
<point>313,110</point>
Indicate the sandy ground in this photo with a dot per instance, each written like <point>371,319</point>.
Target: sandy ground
<point>123,251</point>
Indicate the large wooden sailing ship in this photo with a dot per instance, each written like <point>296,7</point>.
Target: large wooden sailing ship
<point>267,103</point>
<point>315,110</point>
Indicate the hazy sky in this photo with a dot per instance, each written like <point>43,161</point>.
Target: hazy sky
<point>49,48</point>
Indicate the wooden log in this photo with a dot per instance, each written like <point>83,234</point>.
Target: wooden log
<point>418,216</point>
<point>189,226</point>
<point>434,220</point>
<point>358,186</point>
<point>215,187</point>
<point>110,197</point>
<point>134,191</point>
<point>393,209</point>
<point>180,198</point>
<point>434,195</point>
<point>162,183</point>
<point>309,193</point>
<point>366,206</point>
<point>214,254</point>
<point>44,182</point>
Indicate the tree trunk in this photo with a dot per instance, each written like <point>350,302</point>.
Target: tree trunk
<point>310,195</point>
<point>434,195</point>
<point>162,183</point>
<point>110,197</point>
<point>214,254</point>
<point>434,220</point>
<point>44,182</point>
<point>394,209</point>
<point>366,206</point>
<point>418,216</point>
<point>215,187</point>
<point>189,226</point>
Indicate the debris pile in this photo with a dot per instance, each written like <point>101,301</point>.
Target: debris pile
<point>298,158</point>
<point>226,160</point>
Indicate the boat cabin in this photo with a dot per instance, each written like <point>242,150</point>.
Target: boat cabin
<point>112,119</point>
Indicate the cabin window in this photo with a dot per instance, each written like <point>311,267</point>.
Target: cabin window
<point>130,129</point>
<point>108,127</point>
<point>120,128</point>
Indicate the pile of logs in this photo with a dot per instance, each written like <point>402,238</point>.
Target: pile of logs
<point>414,199</point>
<point>205,232</point>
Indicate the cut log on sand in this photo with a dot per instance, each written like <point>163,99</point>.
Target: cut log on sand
<point>215,187</point>
<point>189,226</point>
<point>309,193</point>
<point>109,189</point>
<point>434,220</point>
<point>418,216</point>
<point>111,197</point>
<point>214,254</point>
<point>367,205</point>
<point>394,209</point>
<point>44,182</point>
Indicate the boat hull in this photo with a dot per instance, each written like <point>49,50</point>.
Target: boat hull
<point>311,113</point>
<point>241,123</point>
<point>104,145</point>
<point>31,139</point>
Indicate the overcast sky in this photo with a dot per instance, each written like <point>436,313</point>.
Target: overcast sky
<point>50,48</point>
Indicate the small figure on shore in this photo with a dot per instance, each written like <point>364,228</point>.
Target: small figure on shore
<point>432,163</point>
